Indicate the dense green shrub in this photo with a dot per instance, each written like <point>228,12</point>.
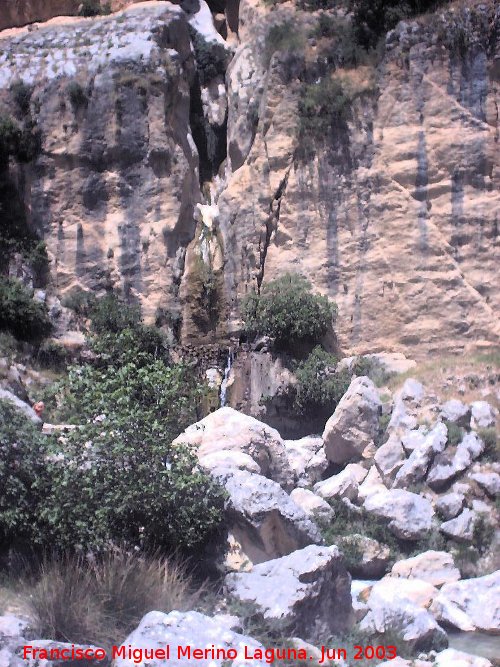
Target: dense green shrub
<point>53,355</point>
<point>211,58</point>
<point>374,18</point>
<point>319,387</point>
<point>20,314</point>
<point>287,310</point>
<point>94,8</point>
<point>10,134</point>
<point>324,106</point>
<point>128,484</point>
<point>23,479</point>
<point>111,314</point>
<point>22,96</point>
<point>80,302</point>
<point>283,37</point>
<point>120,481</point>
<point>77,95</point>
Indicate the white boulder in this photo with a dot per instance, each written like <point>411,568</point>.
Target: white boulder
<point>263,518</point>
<point>350,432</point>
<point>409,515</point>
<point>229,430</point>
<point>435,567</point>
<point>307,591</point>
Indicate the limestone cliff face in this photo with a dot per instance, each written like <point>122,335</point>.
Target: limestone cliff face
<point>182,185</point>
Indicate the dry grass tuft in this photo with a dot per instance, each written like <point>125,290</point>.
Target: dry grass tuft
<point>100,602</point>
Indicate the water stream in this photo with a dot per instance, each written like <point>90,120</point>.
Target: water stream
<point>477,643</point>
<point>227,370</point>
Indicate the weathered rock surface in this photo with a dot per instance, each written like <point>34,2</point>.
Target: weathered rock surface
<point>343,485</point>
<point>402,611</point>
<point>452,658</point>
<point>435,567</point>
<point>471,604</point>
<point>349,433</point>
<point>263,518</point>
<point>489,481</point>
<point>115,188</point>
<point>312,504</point>
<point>191,628</point>
<point>447,466</point>
<point>308,591</point>
<point>372,558</point>
<point>229,430</point>
<point>450,505</point>
<point>415,468</point>
<point>462,527</point>
<point>456,412</point>
<point>483,415</point>
<point>307,459</point>
<point>409,515</point>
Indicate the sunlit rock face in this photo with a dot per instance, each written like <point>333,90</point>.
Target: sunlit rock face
<point>396,220</point>
<point>186,189</point>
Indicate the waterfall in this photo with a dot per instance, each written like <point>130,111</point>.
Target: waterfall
<point>227,370</point>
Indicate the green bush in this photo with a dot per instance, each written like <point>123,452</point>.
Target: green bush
<point>324,107</point>
<point>22,96</point>
<point>111,314</point>
<point>23,478</point>
<point>80,302</point>
<point>94,8</point>
<point>77,95</point>
<point>288,311</point>
<point>20,314</point>
<point>319,387</point>
<point>10,135</point>
<point>211,58</point>
<point>491,444</point>
<point>53,355</point>
<point>120,481</point>
<point>128,484</point>
<point>282,37</point>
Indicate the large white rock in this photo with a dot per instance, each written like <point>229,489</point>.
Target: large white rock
<point>457,412</point>
<point>343,485</point>
<point>402,610</point>
<point>188,629</point>
<point>227,458</point>
<point>450,505</point>
<point>409,515</point>
<point>313,505</point>
<point>307,459</point>
<point>390,457</point>
<point>446,466</point>
<point>470,604</point>
<point>483,415</point>
<point>350,432</point>
<point>263,518</point>
<point>227,429</point>
<point>308,591</point>
<point>462,527</point>
<point>415,468</point>
<point>489,481</point>
<point>453,658</point>
<point>435,567</point>
<point>372,483</point>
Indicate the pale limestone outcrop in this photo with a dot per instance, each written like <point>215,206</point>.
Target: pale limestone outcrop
<point>229,430</point>
<point>471,604</point>
<point>263,518</point>
<point>350,432</point>
<point>409,515</point>
<point>188,629</point>
<point>435,567</point>
<point>313,505</point>
<point>307,591</point>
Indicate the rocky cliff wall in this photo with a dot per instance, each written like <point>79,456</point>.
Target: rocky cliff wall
<point>170,168</point>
